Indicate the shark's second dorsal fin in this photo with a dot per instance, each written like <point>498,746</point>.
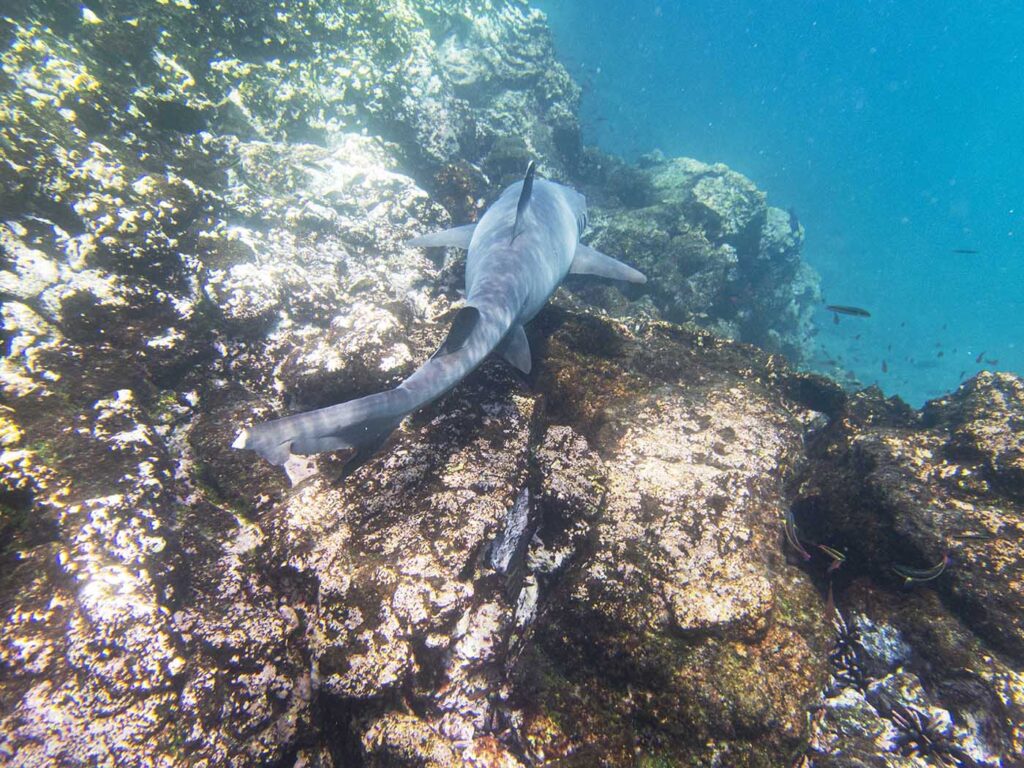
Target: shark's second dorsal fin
<point>524,200</point>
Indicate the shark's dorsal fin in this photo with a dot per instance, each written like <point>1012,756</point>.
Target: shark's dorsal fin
<point>524,200</point>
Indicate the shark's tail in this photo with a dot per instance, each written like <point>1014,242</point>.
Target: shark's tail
<point>361,425</point>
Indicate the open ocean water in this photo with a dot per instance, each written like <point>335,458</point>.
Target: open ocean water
<point>894,130</point>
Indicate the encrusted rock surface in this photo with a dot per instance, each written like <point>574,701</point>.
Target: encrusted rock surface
<point>911,684</point>
<point>937,491</point>
<point>691,638</point>
<point>714,252</point>
<point>900,488</point>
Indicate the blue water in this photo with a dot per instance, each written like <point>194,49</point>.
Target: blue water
<point>894,129</point>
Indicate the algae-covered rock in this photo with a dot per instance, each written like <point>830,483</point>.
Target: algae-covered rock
<point>912,683</point>
<point>927,504</point>
<point>713,251</point>
<point>97,657</point>
<point>906,490</point>
<point>678,617</point>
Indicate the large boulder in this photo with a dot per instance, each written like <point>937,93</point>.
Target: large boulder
<point>926,507</point>
<point>900,489</point>
<point>677,615</point>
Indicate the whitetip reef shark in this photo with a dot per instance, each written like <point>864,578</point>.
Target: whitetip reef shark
<point>520,250</point>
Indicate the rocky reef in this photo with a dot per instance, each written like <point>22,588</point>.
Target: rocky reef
<point>714,251</point>
<point>203,216</point>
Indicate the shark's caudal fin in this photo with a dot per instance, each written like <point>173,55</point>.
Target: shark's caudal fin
<point>587,261</point>
<point>361,425</point>
<point>524,200</point>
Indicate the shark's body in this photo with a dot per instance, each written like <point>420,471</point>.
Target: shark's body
<point>519,252</point>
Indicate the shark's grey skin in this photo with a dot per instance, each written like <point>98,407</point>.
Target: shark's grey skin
<point>519,251</point>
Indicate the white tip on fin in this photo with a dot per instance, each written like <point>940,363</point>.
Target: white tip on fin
<point>587,261</point>
<point>241,440</point>
<point>298,468</point>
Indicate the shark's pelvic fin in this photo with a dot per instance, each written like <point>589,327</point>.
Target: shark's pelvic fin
<point>462,326</point>
<point>587,261</point>
<point>456,237</point>
<point>516,349</point>
<point>524,200</point>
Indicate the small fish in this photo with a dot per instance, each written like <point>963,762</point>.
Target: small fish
<point>910,575</point>
<point>973,536</point>
<point>940,354</point>
<point>838,558</point>
<point>794,222</point>
<point>991,361</point>
<point>857,337</point>
<point>843,309</point>
<point>903,324</point>
<point>980,357</point>
<point>967,251</point>
<point>793,536</point>
<point>885,367</point>
<point>962,374</point>
<point>835,319</point>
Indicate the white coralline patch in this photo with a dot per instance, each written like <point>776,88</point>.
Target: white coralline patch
<point>469,672</point>
<point>882,642</point>
<point>247,538</point>
<point>103,288</point>
<point>399,356</point>
<point>177,75</point>
<point>246,292</point>
<point>30,335</point>
<point>172,338</point>
<point>31,270</point>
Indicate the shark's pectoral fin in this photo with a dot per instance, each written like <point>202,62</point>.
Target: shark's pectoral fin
<point>456,237</point>
<point>516,349</point>
<point>462,326</point>
<point>587,261</point>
